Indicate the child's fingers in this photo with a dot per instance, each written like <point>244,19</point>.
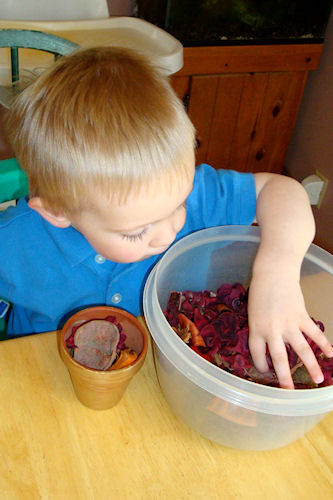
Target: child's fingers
<point>305,353</point>
<point>278,352</point>
<point>314,332</point>
<point>258,353</point>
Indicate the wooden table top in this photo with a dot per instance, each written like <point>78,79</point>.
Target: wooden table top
<point>52,447</point>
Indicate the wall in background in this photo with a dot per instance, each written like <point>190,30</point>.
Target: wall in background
<point>311,146</point>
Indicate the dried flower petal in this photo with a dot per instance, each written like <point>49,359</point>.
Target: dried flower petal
<point>186,324</point>
<point>126,358</point>
<point>93,357</point>
<point>215,325</point>
<point>183,333</point>
<point>96,343</point>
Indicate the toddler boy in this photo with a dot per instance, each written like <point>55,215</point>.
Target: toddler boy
<point>109,153</point>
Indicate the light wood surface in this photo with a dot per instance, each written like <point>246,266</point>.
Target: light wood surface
<point>52,447</point>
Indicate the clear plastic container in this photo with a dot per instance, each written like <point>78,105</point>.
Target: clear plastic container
<point>220,406</point>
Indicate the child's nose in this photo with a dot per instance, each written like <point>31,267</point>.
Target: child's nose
<point>164,236</point>
<point>167,231</point>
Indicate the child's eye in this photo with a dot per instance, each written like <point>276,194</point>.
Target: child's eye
<point>135,237</point>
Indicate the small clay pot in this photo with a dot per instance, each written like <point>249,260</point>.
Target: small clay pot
<point>98,389</point>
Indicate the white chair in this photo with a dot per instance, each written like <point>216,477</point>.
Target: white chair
<point>86,23</point>
<point>40,10</point>
<point>49,10</point>
<point>28,39</point>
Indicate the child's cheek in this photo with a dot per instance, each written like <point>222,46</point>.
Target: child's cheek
<point>183,220</point>
<point>131,252</point>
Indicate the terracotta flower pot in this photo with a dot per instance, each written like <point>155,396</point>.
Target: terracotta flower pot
<point>98,389</point>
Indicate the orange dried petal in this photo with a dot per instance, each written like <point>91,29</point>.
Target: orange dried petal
<point>222,307</point>
<point>126,357</point>
<point>184,322</point>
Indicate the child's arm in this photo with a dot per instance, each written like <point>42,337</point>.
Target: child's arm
<point>277,313</point>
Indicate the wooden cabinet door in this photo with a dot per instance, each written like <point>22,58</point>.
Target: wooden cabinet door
<point>244,121</point>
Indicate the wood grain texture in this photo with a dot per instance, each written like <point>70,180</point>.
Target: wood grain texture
<point>244,122</point>
<point>226,120</point>
<point>52,447</point>
<point>181,85</point>
<point>249,111</point>
<point>247,58</point>
<point>201,109</point>
<point>244,100</point>
<point>274,127</point>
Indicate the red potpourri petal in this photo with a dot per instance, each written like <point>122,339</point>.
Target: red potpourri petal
<point>218,324</point>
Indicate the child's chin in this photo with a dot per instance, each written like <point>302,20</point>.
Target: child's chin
<point>145,257</point>
<point>140,259</point>
<point>132,261</point>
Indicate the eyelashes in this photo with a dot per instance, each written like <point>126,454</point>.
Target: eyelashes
<point>135,237</point>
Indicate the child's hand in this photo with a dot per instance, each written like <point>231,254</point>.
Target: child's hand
<point>277,316</point>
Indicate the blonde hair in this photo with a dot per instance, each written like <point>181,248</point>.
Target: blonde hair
<point>100,120</point>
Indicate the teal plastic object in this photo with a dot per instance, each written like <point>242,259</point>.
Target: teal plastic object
<point>33,39</point>
<point>4,307</point>
<point>3,335</point>
<point>13,181</point>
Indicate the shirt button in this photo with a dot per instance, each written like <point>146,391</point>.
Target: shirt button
<point>99,259</point>
<point>116,298</point>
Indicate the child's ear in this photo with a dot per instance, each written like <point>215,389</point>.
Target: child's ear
<point>58,220</point>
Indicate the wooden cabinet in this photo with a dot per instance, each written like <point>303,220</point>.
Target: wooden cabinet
<point>244,100</point>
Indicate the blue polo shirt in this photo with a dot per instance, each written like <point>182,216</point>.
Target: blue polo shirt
<point>47,272</point>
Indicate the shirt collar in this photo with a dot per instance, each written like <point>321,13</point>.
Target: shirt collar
<point>70,242</point>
